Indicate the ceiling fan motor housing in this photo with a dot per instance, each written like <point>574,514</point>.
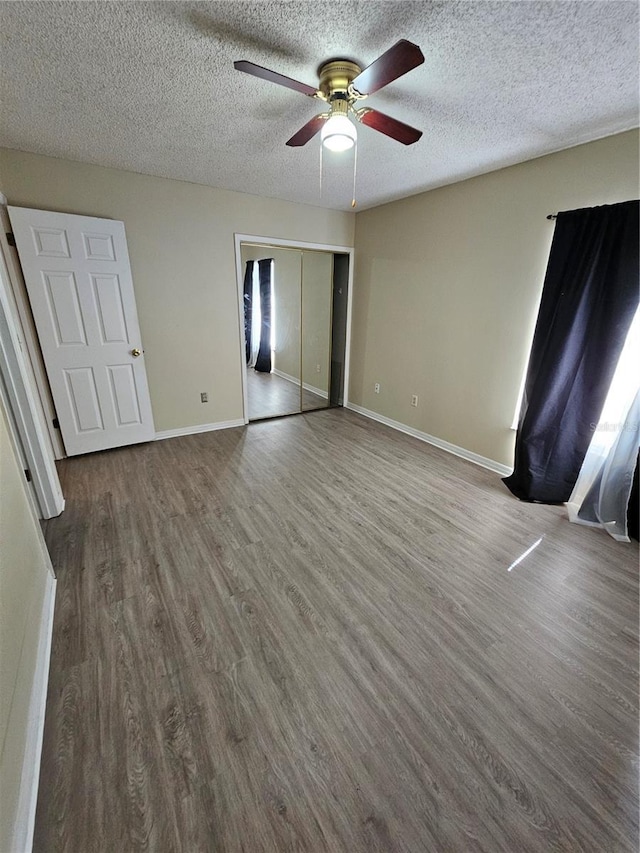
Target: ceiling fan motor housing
<point>336,77</point>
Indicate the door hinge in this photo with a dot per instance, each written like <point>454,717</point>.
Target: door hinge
<point>56,423</point>
<point>27,474</point>
<point>11,240</point>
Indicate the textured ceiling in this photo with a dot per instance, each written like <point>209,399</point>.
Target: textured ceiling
<point>151,87</point>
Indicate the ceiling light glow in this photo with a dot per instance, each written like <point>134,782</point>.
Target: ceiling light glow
<point>338,133</point>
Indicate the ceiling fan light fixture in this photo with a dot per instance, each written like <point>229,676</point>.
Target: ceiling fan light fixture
<point>338,133</point>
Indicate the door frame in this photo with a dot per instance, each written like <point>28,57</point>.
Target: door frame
<point>276,243</point>
<point>21,401</point>
<point>27,329</point>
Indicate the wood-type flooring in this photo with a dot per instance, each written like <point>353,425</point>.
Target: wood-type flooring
<point>302,636</point>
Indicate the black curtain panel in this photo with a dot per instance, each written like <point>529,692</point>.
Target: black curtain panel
<point>248,311</point>
<point>588,301</point>
<point>263,361</point>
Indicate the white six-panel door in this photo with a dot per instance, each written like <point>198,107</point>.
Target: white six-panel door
<point>78,277</point>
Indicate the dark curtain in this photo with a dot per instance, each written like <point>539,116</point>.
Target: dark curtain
<point>263,361</point>
<point>248,311</point>
<point>588,301</point>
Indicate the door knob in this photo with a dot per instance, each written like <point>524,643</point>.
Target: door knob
<point>135,352</point>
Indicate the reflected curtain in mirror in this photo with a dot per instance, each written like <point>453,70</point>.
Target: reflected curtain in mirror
<point>263,361</point>
<point>248,305</point>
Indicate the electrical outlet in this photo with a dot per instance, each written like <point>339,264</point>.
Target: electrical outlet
<point>317,368</point>
<point>414,400</point>
<point>376,388</point>
<point>204,397</point>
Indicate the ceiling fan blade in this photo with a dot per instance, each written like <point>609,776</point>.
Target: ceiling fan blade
<point>398,60</point>
<point>307,132</point>
<point>274,77</point>
<point>389,126</point>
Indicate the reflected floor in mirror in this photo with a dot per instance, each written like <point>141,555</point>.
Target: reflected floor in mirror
<point>270,395</point>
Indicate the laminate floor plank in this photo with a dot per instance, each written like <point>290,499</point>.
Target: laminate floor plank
<point>302,636</point>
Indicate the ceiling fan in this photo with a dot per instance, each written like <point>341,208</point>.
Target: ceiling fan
<point>342,85</point>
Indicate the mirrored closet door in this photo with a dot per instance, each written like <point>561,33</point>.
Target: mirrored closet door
<point>315,363</point>
<point>289,297</point>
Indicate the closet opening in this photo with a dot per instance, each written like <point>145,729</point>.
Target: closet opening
<point>294,322</point>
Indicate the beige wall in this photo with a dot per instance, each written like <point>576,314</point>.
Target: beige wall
<point>447,286</point>
<point>181,245</point>
<point>23,580</point>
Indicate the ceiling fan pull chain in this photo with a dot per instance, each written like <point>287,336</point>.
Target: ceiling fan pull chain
<point>321,147</point>
<point>355,168</point>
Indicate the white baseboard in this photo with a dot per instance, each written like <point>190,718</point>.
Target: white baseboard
<point>318,391</point>
<point>469,455</point>
<point>193,430</point>
<point>22,841</point>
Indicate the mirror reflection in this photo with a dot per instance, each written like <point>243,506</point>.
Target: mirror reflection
<point>317,268</point>
<point>288,297</point>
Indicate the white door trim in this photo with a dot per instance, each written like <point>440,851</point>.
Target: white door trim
<point>22,402</point>
<point>288,244</point>
<point>25,817</point>
<point>27,330</point>
<point>14,433</point>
